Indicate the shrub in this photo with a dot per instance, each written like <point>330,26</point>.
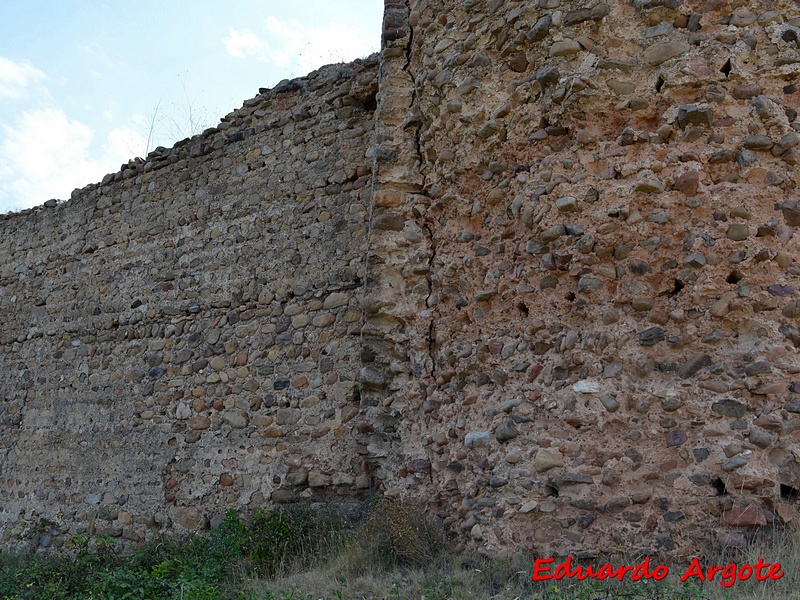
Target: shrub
<point>395,534</point>
<point>199,567</point>
<point>296,534</point>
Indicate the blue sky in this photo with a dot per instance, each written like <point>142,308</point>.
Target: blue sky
<point>84,83</point>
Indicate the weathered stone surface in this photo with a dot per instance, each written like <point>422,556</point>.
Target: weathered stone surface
<point>586,387</point>
<point>734,463</point>
<point>564,48</point>
<point>477,439</point>
<point>737,232</point>
<point>610,403</point>
<point>729,408</point>
<point>693,115</point>
<point>791,212</point>
<point>372,377</point>
<point>748,516</point>
<point>520,249</point>
<point>651,336</point>
<point>547,459</point>
<point>506,431</point>
<point>760,438</point>
<point>688,183</point>
<point>676,437</point>
<point>419,465</point>
<point>663,51</point>
<point>757,142</point>
<point>693,365</point>
<point>187,518</point>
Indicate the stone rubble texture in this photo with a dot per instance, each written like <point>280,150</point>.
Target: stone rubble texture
<point>533,266</point>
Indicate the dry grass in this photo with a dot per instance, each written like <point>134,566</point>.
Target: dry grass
<point>309,553</point>
<point>396,534</point>
<point>781,546</point>
<point>389,560</point>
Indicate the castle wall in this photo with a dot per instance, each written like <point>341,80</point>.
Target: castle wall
<point>611,313</point>
<point>545,282</point>
<point>183,338</point>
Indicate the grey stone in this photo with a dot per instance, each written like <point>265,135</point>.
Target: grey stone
<point>760,438</point>
<point>506,431</point>
<point>477,439</point>
<point>652,336</point>
<point>729,408</point>
<point>734,463</point>
<point>690,114</point>
<point>793,405</point>
<point>676,437</point>
<point>372,377</point>
<point>757,142</point>
<point>609,403</point>
<point>664,51</point>
<point>693,365</point>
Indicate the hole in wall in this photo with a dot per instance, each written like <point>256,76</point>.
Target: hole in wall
<point>371,102</point>
<point>523,309</point>
<point>789,493</point>
<point>719,486</point>
<point>678,285</point>
<point>726,68</point>
<point>659,83</point>
<point>551,489</point>
<point>734,277</point>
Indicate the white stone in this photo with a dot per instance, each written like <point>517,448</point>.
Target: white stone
<point>586,387</point>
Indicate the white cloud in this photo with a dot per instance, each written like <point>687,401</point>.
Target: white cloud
<point>293,46</point>
<point>238,42</point>
<point>45,154</point>
<point>17,77</point>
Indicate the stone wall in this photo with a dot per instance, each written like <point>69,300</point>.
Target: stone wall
<point>183,338</point>
<point>609,303</point>
<point>545,282</point>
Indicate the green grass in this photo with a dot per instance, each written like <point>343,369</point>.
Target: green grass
<point>307,553</point>
<point>207,566</point>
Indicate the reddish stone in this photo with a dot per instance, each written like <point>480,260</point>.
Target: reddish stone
<point>771,422</point>
<point>226,480</point>
<point>419,465</point>
<point>519,63</point>
<point>199,422</point>
<point>687,183</point>
<point>746,91</point>
<point>273,432</point>
<point>744,517</point>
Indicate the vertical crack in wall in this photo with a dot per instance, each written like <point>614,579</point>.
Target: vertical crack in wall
<point>410,42</point>
<point>416,121</point>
